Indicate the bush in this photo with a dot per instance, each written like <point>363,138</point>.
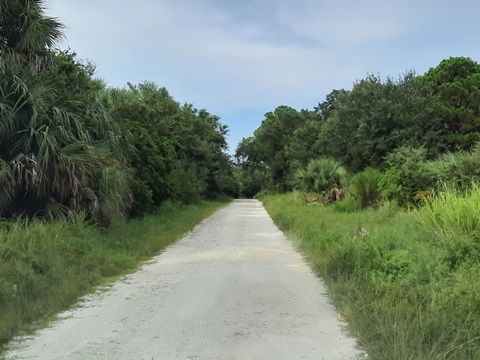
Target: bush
<point>453,212</point>
<point>366,186</point>
<point>453,171</point>
<point>320,175</point>
<point>405,175</point>
<point>185,186</point>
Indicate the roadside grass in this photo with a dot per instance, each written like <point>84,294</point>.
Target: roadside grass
<point>405,291</point>
<point>46,267</point>
<point>454,212</point>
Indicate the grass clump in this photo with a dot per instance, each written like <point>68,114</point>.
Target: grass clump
<point>454,212</point>
<point>404,293</point>
<point>347,204</point>
<point>366,186</point>
<point>45,267</point>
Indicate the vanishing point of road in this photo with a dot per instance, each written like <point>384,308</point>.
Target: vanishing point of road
<point>233,288</point>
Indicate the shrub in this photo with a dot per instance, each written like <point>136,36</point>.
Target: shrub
<point>366,186</point>
<point>453,212</point>
<point>320,175</point>
<point>453,171</point>
<point>405,175</point>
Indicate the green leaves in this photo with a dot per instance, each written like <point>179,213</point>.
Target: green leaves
<point>27,34</point>
<point>456,81</point>
<point>277,148</point>
<point>405,175</point>
<point>181,150</point>
<point>52,150</point>
<point>376,117</point>
<point>320,175</point>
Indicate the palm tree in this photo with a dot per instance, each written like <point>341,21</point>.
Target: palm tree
<point>51,162</point>
<point>55,157</point>
<point>320,175</point>
<point>26,33</point>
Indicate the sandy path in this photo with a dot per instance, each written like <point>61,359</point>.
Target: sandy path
<point>234,288</point>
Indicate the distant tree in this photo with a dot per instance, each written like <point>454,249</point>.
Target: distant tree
<point>250,172</point>
<point>376,117</point>
<point>301,145</point>
<point>457,82</point>
<point>201,149</point>
<point>181,150</point>
<point>268,147</point>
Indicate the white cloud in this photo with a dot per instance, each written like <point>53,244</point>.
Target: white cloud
<point>345,22</point>
<point>203,52</point>
<point>236,56</point>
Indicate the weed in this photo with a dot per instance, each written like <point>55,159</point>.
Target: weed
<point>366,186</point>
<point>453,212</point>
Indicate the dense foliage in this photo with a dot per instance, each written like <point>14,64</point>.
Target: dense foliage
<point>456,82</point>
<point>393,126</point>
<point>77,152</point>
<point>69,144</point>
<point>181,150</point>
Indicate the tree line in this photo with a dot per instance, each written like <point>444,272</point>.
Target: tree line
<point>377,124</point>
<point>69,143</point>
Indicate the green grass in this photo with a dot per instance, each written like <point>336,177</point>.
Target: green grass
<point>454,212</point>
<point>366,186</point>
<point>406,292</point>
<point>45,267</point>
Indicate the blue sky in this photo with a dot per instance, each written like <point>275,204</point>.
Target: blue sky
<point>241,59</point>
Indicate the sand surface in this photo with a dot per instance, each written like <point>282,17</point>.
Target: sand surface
<point>234,288</point>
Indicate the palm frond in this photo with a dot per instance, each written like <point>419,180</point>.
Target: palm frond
<point>7,186</point>
<point>47,145</point>
<point>56,210</point>
<point>115,197</point>
<point>89,196</point>
<point>27,173</point>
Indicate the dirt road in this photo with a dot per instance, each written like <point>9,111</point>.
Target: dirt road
<point>234,288</point>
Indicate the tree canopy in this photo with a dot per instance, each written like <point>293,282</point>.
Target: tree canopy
<point>437,112</point>
<point>456,81</point>
<point>181,150</point>
<point>70,144</point>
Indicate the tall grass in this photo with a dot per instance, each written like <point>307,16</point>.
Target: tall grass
<point>391,277</point>
<point>454,212</point>
<point>366,186</point>
<point>453,170</point>
<point>45,267</point>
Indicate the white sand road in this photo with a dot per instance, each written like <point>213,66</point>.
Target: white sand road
<point>233,288</point>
